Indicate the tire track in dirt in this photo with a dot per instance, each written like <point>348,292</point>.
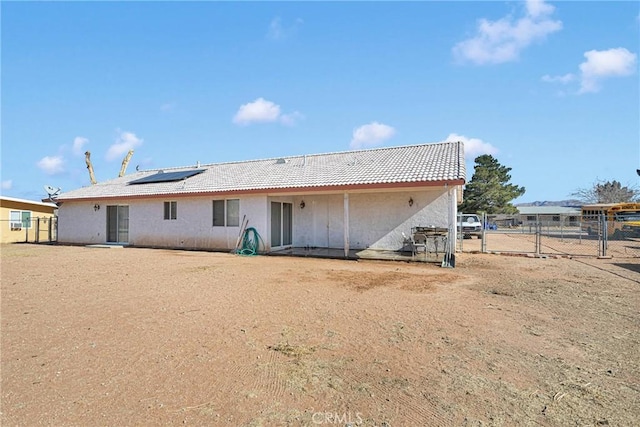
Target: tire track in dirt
<point>270,379</point>
<point>413,410</point>
<point>236,378</point>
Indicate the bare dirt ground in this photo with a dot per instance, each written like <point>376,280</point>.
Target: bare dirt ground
<point>156,337</point>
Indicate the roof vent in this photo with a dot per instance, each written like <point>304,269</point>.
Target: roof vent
<point>281,161</point>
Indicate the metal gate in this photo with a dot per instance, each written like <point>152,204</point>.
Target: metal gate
<point>566,236</point>
<point>30,230</point>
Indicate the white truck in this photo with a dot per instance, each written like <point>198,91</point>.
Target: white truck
<point>469,225</point>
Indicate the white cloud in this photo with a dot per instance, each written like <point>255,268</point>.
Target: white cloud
<point>502,41</point>
<point>78,143</point>
<point>277,31</point>
<point>371,135</point>
<point>537,8</point>
<point>124,142</point>
<point>473,147</point>
<point>291,119</point>
<point>263,111</point>
<point>51,165</point>
<point>259,110</point>
<point>601,64</point>
<point>567,78</point>
<point>6,184</point>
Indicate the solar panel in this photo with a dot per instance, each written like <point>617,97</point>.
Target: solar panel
<point>167,176</point>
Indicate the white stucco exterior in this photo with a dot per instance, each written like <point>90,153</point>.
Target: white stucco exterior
<point>376,219</point>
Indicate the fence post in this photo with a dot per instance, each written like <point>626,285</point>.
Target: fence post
<point>580,231</point>
<point>604,233</point>
<point>538,230</point>
<point>37,236</point>
<point>483,242</point>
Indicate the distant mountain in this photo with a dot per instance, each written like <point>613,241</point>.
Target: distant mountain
<point>565,203</point>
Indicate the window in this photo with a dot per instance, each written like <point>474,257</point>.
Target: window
<point>233,213</point>
<point>20,219</point>
<point>226,213</point>
<point>170,210</point>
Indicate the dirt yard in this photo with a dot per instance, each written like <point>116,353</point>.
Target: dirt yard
<point>129,336</point>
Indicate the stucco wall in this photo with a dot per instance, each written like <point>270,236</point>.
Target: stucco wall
<point>320,223</point>
<point>80,223</point>
<point>376,220</point>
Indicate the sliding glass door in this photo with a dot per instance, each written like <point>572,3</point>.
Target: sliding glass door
<point>117,224</point>
<point>281,224</point>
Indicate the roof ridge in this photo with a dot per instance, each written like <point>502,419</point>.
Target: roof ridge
<point>300,156</point>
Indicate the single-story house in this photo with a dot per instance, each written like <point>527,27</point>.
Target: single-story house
<point>565,216</point>
<point>25,220</point>
<point>363,199</point>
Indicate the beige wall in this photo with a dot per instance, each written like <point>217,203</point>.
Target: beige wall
<point>7,235</point>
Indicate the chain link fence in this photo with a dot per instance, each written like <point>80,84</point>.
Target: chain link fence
<point>542,235</point>
<point>30,230</point>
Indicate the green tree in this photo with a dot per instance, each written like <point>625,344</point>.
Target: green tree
<point>489,189</point>
<point>607,192</point>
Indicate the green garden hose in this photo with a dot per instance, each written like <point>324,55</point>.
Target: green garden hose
<point>251,241</point>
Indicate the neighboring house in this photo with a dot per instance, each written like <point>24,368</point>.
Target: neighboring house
<point>565,216</point>
<point>25,220</point>
<point>347,200</point>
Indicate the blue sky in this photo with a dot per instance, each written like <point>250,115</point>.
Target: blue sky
<point>550,89</point>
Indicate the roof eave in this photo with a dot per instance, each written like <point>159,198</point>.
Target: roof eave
<point>284,190</point>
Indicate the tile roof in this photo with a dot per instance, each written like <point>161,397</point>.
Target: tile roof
<point>420,164</point>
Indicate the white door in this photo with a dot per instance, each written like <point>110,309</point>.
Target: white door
<point>321,225</point>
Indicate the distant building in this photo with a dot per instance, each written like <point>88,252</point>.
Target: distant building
<point>549,215</point>
<point>23,220</point>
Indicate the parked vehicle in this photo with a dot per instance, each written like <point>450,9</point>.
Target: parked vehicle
<point>623,219</point>
<point>469,225</point>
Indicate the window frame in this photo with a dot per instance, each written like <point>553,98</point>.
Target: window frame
<point>170,210</point>
<point>24,221</point>
<point>222,217</point>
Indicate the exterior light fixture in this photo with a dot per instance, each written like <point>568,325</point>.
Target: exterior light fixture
<point>302,204</point>
<point>96,207</point>
<point>410,201</point>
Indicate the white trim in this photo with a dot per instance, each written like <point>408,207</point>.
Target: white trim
<point>31,202</point>
<point>346,225</point>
